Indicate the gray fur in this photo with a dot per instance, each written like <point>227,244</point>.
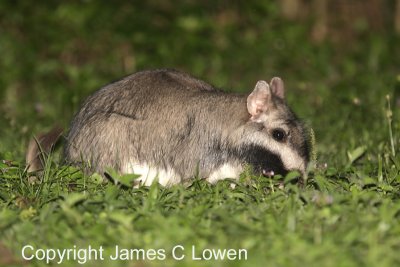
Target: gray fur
<point>169,119</point>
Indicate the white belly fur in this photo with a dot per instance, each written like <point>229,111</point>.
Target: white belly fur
<point>149,174</point>
<point>167,177</point>
<point>227,170</point>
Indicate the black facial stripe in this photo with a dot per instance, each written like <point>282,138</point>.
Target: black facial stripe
<point>261,159</point>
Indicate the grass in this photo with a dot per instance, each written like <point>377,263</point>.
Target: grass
<point>345,215</point>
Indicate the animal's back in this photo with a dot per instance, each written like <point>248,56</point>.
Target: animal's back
<point>142,88</point>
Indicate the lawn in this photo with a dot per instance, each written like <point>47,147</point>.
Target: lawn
<point>347,213</point>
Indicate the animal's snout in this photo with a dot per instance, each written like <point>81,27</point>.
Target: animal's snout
<point>268,172</point>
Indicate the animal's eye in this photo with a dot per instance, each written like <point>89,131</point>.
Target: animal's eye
<point>279,135</point>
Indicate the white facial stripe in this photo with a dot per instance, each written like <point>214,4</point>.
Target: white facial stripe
<point>272,120</point>
<point>149,174</point>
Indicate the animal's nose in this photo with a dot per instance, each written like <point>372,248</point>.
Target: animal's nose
<point>268,173</point>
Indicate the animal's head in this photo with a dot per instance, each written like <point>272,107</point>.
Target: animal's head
<point>279,138</point>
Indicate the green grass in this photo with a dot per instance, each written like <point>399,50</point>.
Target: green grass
<point>347,214</point>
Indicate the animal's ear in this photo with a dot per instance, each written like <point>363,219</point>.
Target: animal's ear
<point>277,87</point>
<point>259,100</point>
